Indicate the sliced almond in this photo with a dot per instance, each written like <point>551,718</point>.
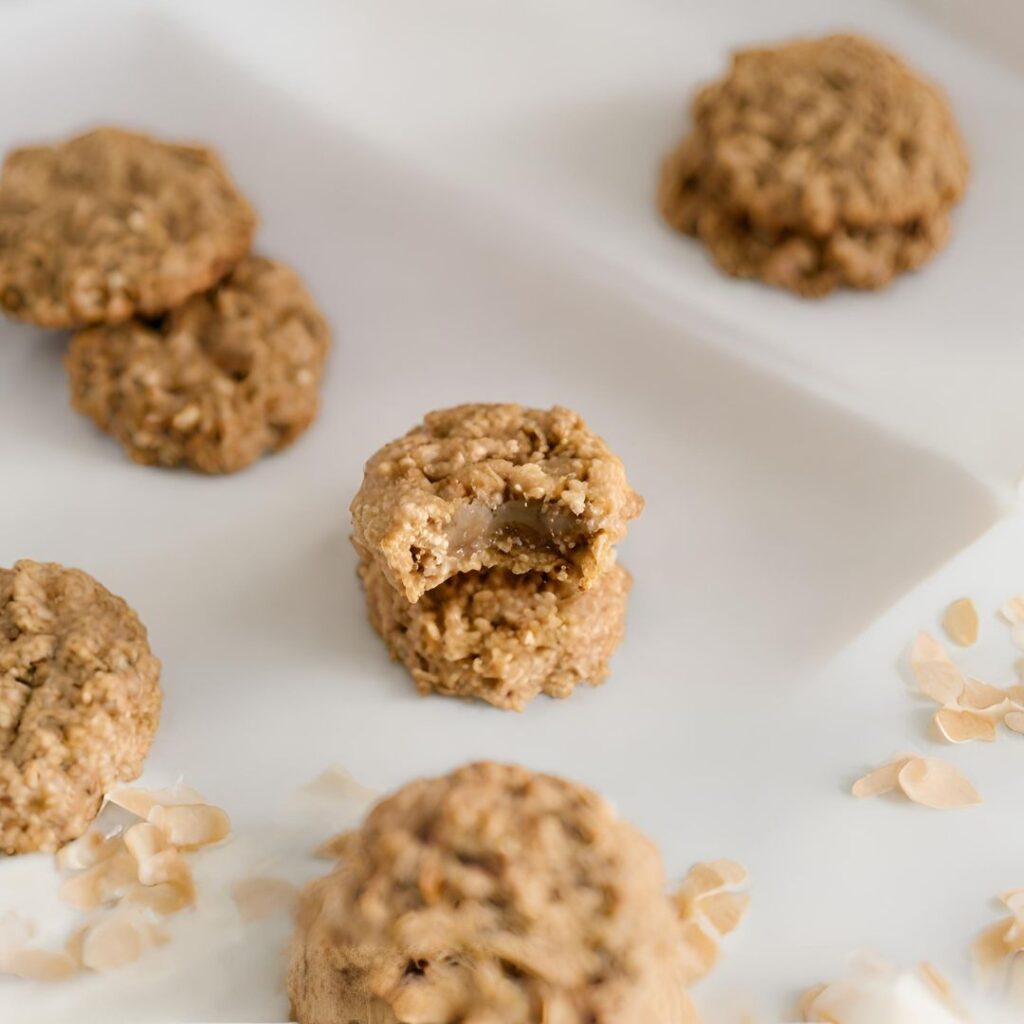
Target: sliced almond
<point>937,784</point>
<point>880,781</point>
<point>87,850</point>
<point>961,622</point>
<point>700,951</point>
<point>1013,610</point>
<point>964,726</point>
<point>337,784</point>
<point>688,1011</point>
<point>982,696</point>
<point>144,841</point>
<point>140,801</point>
<point>943,989</point>
<point>190,826</point>
<point>807,1001</point>
<point>166,866</point>
<point>102,883</point>
<point>37,964</point>
<point>119,939</point>
<point>990,951</point>
<point>257,898</point>
<point>163,898</point>
<point>724,910</point>
<point>1015,721</point>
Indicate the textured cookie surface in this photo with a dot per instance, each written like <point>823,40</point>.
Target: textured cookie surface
<point>79,702</point>
<point>499,636</point>
<point>817,164</point>
<point>219,381</point>
<point>492,895</point>
<point>112,224</point>
<point>478,486</point>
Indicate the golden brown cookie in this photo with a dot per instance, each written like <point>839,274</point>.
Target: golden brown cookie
<point>113,224</point>
<point>817,164</point>
<point>478,486</point>
<point>216,383</point>
<point>493,895</point>
<point>499,636</point>
<point>79,702</point>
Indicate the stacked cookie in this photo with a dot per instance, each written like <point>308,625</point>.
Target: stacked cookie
<point>486,537</point>
<point>190,351</point>
<point>817,164</point>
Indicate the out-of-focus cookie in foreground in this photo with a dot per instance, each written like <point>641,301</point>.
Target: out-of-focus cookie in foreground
<point>495,895</point>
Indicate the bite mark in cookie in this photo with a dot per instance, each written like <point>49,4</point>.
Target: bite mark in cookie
<point>79,702</point>
<point>501,637</point>
<point>216,383</point>
<point>113,224</point>
<point>491,894</point>
<point>478,486</point>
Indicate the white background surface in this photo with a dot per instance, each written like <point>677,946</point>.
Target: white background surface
<point>466,186</point>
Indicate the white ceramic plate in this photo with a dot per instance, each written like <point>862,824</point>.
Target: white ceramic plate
<point>779,523</point>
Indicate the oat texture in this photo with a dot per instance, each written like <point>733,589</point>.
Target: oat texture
<point>493,895</point>
<point>216,383</point>
<point>501,637</point>
<point>79,702</point>
<point>478,486</point>
<point>817,164</point>
<point>113,224</point>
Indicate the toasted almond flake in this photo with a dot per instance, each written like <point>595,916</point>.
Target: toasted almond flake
<point>1014,900</point>
<point>982,696</point>
<point>688,1010</point>
<point>333,848</point>
<point>259,897</point>
<point>927,648</point>
<point>937,677</point>
<point>103,882</point>
<point>164,898</point>
<point>337,784</point>
<point>989,950</point>
<point>1015,721</point>
<point>964,726</point>
<point>140,801</point>
<point>1016,693</point>
<point>191,826</point>
<point>144,841</point>
<point>37,964</point>
<point>166,866</point>
<point>117,940</point>
<point>807,1001</point>
<point>1013,610</point>
<point>700,951</point>
<point>83,852</point>
<point>937,784</point>
<point>881,780</point>
<point>724,910</point>
<point>961,622</point>
<point>943,988</point>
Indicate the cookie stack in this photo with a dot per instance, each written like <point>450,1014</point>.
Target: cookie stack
<point>817,164</point>
<point>190,350</point>
<point>486,538</point>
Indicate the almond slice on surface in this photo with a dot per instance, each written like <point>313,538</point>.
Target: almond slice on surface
<point>964,726</point>
<point>117,940</point>
<point>700,951</point>
<point>881,780</point>
<point>724,911</point>
<point>1015,721</point>
<point>104,882</point>
<point>337,784</point>
<point>260,897</point>
<point>961,622</point>
<point>87,850</point>
<point>144,841</point>
<point>37,964</point>
<point>937,784</point>
<point>989,950</point>
<point>1013,610</point>
<point>190,826</point>
<point>163,898</point>
<point>982,696</point>
<point>140,802</point>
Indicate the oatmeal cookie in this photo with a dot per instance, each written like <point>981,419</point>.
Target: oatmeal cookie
<point>816,164</point>
<point>495,895</point>
<point>214,384</point>
<point>79,702</point>
<point>114,224</point>
<point>499,636</point>
<point>478,486</point>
